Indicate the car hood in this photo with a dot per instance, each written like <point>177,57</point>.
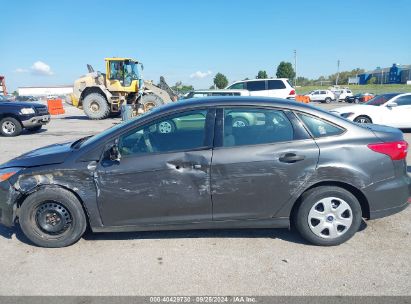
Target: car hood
<point>53,154</point>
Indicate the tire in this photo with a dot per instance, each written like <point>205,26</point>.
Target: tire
<point>38,224</point>
<point>346,99</point>
<point>313,225</point>
<point>239,122</point>
<point>328,100</point>
<point>10,127</point>
<point>34,129</point>
<point>150,101</point>
<point>167,126</point>
<point>96,106</point>
<point>356,100</point>
<point>363,119</point>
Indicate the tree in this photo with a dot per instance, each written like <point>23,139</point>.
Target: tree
<point>285,70</point>
<point>220,81</point>
<point>262,75</point>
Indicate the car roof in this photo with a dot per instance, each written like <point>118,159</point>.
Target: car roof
<point>219,91</point>
<point>259,79</point>
<point>217,101</point>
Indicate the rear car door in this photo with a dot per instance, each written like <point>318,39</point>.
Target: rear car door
<point>277,88</point>
<point>163,174</point>
<point>258,166</point>
<point>257,88</point>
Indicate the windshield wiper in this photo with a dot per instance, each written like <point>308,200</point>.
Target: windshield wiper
<point>78,142</point>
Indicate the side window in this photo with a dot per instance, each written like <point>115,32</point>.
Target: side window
<point>275,85</point>
<point>323,92</point>
<point>403,100</point>
<point>319,127</point>
<point>316,93</point>
<point>256,85</point>
<point>237,86</point>
<point>245,126</point>
<point>180,132</point>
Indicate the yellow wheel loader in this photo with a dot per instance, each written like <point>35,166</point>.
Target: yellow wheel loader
<point>102,94</point>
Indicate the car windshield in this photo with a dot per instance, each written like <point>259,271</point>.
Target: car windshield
<point>380,99</point>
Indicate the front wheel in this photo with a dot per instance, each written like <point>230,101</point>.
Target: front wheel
<point>328,216</point>
<point>363,120</point>
<point>96,106</point>
<point>328,100</point>
<point>52,217</point>
<point>35,129</point>
<point>10,126</point>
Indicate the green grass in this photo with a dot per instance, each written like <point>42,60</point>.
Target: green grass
<point>368,88</point>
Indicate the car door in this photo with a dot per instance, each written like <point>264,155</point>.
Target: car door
<point>400,115</point>
<point>277,88</point>
<point>257,88</point>
<point>315,96</point>
<point>257,167</point>
<point>163,174</point>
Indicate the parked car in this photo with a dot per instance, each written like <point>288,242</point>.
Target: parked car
<point>279,87</point>
<point>360,98</point>
<point>16,116</point>
<point>321,95</point>
<point>391,109</point>
<point>207,93</point>
<point>342,94</point>
<point>26,98</point>
<point>290,169</point>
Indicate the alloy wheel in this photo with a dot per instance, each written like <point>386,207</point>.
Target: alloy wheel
<point>8,127</point>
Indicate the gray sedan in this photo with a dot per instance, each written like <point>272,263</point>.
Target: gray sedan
<point>295,166</point>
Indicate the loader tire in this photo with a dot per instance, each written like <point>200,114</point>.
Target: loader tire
<point>96,106</point>
<point>150,101</point>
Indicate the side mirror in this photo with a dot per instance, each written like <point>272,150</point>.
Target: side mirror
<point>392,104</point>
<point>114,153</point>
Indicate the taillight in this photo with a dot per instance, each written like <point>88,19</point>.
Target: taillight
<point>292,92</point>
<point>396,150</point>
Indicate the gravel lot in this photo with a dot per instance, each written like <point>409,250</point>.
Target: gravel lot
<point>377,261</point>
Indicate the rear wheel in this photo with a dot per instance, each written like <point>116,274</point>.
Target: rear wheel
<point>356,100</point>
<point>96,106</point>
<point>10,126</point>
<point>52,217</point>
<point>328,216</point>
<point>328,100</point>
<point>239,122</point>
<point>363,119</point>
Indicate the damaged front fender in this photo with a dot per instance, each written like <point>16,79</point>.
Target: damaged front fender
<point>8,207</point>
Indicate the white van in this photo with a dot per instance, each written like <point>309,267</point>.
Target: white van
<point>279,87</point>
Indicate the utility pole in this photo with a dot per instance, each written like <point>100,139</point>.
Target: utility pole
<point>338,72</point>
<point>295,68</point>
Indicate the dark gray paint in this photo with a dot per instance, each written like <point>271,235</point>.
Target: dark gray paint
<point>244,187</point>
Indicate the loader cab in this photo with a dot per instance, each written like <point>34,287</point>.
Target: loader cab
<point>123,75</point>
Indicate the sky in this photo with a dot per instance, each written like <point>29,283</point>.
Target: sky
<point>50,42</point>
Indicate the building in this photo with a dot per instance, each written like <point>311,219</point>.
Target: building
<point>395,74</point>
<point>45,91</point>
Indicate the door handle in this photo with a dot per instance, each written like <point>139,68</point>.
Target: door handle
<point>291,158</point>
<point>196,166</point>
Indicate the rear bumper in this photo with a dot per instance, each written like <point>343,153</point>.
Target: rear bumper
<point>8,197</point>
<point>388,197</point>
<point>36,121</point>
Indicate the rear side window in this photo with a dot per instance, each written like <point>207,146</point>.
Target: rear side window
<point>237,86</point>
<point>256,85</point>
<point>319,127</point>
<point>276,85</point>
<point>245,126</point>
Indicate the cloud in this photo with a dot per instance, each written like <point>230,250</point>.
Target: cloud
<point>200,75</point>
<point>20,70</point>
<point>41,68</point>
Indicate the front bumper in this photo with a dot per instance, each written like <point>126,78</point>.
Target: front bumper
<point>8,207</point>
<point>36,121</point>
<point>388,197</point>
